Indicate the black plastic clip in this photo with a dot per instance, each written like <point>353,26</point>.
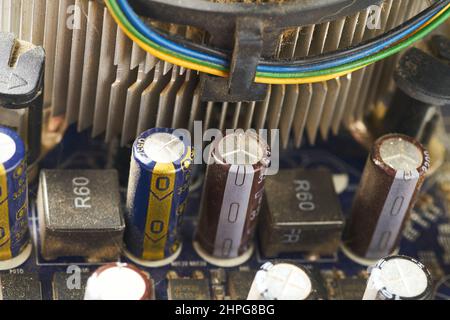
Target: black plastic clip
<point>21,72</point>
<point>423,88</point>
<point>240,86</point>
<point>425,77</point>
<point>22,68</point>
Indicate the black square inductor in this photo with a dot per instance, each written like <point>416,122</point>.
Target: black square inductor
<point>80,214</point>
<point>301,213</point>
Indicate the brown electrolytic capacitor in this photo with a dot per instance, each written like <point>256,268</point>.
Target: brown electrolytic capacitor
<point>391,180</point>
<point>119,281</point>
<point>232,198</point>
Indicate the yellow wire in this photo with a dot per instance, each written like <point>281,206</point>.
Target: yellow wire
<point>163,56</point>
<point>220,73</point>
<point>433,18</point>
<point>332,76</point>
<point>205,69</point>
<point>305,80</point>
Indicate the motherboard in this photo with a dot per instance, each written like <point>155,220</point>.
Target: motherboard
<point>426,237</point>
<point>224,150</point>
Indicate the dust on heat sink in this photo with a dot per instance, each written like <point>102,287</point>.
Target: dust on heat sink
<point>127,90</point>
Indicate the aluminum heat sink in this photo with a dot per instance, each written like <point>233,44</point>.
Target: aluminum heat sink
<point>96,77</point>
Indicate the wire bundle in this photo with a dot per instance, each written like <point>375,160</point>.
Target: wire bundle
<point>307,70</point>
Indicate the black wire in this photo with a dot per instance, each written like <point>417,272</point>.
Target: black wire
<point>362,46</point>
<point>330,56</point>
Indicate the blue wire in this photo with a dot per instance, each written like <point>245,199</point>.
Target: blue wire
<point>354,57</point>
<point>148,32</point>
<point>155,37</point>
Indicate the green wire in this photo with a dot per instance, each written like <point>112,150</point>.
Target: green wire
<point>335,70</point>
<point>371,59</point>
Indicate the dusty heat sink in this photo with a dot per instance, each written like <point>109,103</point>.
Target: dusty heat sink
<point>97,77</point>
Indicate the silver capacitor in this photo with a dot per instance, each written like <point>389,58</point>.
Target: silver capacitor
<point>119,281</point>
<point>282,281</point>
<point>399,278</point>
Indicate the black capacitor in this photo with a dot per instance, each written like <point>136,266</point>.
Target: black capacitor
<point>390,183</point>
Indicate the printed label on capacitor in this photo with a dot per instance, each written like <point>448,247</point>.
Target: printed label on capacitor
<point>159,212</point>
<point>393,214</point>
<point>234,210</point>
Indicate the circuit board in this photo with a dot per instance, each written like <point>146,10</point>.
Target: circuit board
<point>426,237</point>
